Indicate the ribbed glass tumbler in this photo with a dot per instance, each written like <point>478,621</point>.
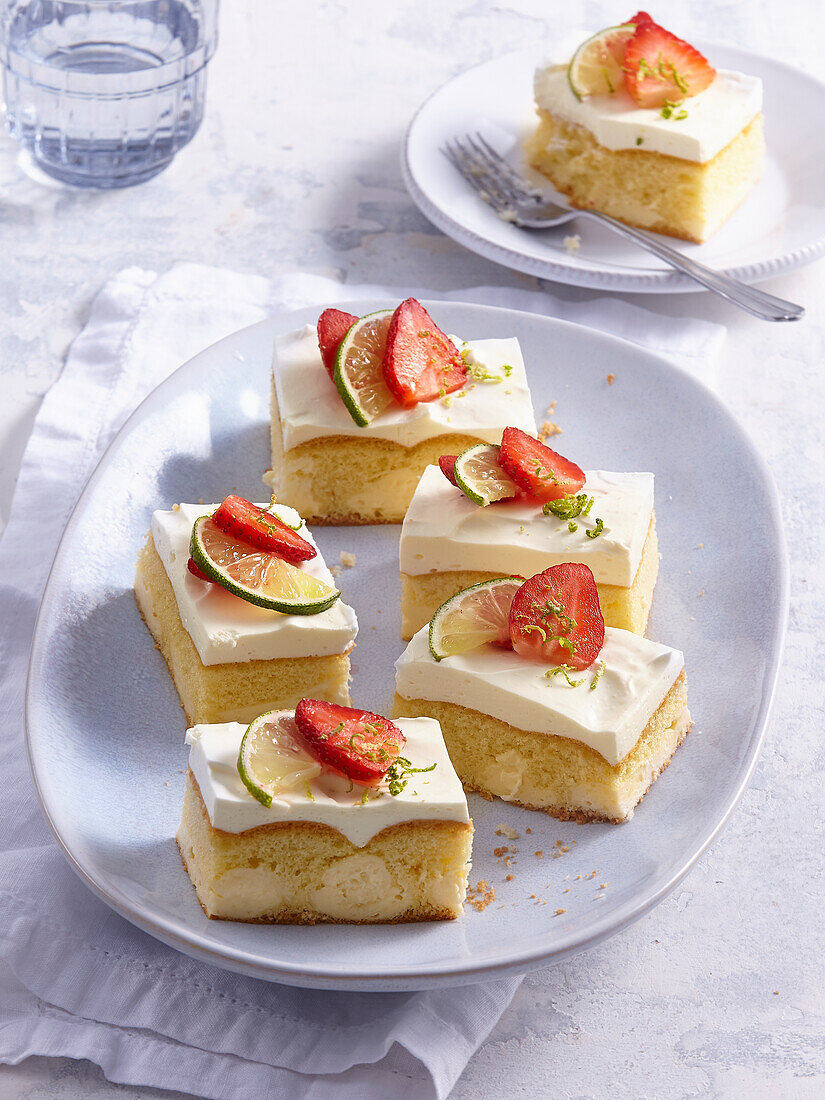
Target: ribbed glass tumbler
<point>103,93</point>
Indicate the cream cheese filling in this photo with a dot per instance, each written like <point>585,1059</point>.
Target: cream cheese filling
<point>429,796</point>
<point>311,408</point>
<point>638,673</point>
<point>445,532</point>
<point>714,117</point>
<point>223,627</point>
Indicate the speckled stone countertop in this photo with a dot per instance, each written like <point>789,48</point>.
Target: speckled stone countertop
<point>719,991</point>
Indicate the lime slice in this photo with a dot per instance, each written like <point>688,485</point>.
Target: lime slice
<point>256,576</point>
<point>272,758</point>
<point>596,66</point>
<point>480,477</point>
<point>474,616</point>
<point>359,374</point>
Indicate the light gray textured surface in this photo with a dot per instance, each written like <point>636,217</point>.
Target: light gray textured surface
<point>719,992</point>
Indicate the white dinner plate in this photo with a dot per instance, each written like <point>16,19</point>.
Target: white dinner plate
<point>781,225</point>
<point>105,731</point>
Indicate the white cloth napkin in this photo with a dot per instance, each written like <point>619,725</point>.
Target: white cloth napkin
<point>78,980</point>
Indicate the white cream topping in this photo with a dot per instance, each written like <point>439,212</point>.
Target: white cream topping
<point>444,531</point>
<point>638,674</point>
<point>311,407</point>
<point>225,628</point>
<point>714,116</point>
<point>436,795</point>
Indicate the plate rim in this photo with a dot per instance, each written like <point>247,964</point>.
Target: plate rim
<point>595,277</point>
<point>194,944</point>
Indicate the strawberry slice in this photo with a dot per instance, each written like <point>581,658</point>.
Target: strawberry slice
<point>556,617</point>
<point>539,471</point>
<point>420,362</point>
<point>447,464</point>
<point>662,69</point>
<point>196,571</point>
<point>242,520</point>
<point>333,325</point>
<point>355,743</point>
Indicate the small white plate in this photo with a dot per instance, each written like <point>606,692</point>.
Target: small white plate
<point>105,730</point>
<point>781,225</point>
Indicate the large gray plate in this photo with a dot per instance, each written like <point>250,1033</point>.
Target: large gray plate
<point>105,732</point>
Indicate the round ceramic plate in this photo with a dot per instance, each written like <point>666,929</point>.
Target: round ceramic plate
<point>105,731</point>
<point>781,224</point>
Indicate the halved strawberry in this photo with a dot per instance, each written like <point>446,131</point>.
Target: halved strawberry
<point>539,471</point>
<point>356,743</point>
<point>556,617</point>
<point>196,571</point>
<point>420,362</point>
<point>333,325</point>
<point>245,521</point>
<point>661,68</point>
<point>447,464</point>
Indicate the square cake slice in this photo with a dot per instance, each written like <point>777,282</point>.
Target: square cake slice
<point>229,659</point>
<point>581,747</point>
<point>679,170</point>
<point>335,472</point>
<point>328,850</point>
<point>448,543</point>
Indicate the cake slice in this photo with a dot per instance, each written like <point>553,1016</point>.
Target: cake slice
<point>327,848</point>
<point>579,732</point>
<point>448,543</point>
<point>639,126</point>
<point>229,658</point>
<point>347,450</point>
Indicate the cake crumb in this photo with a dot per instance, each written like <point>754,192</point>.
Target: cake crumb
<point>702,592</point>
<point>508,878</point>
<point>335,570</point>
<point>176,507</point>
<point>501,850</point>
<point>480,895</point>
<point>701,546</point>
<point>572,243</point>
<point>599,897</point>
<point>548,429</point>
<point>540,853</point>
<point>505,830</point>
<point>528,830</point>
<point>611,378</point>
<point>347,559</point>
<point>560,911</point>
<point>603,885</point>
<point>168,784</point>
<point>551,408</point>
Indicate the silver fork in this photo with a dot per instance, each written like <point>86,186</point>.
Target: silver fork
<point>514,200</point>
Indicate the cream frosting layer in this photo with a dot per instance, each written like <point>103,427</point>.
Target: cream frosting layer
<point>436,795</point>
<point>224,628</point>
<point>444,531</point>
<point>638,674</point>
<point>714,117</point>
<point>311,408</point>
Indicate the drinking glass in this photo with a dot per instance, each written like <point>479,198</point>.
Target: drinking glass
<point>103,93</point>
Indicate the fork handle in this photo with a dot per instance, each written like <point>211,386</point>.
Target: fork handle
<point>757,302</point>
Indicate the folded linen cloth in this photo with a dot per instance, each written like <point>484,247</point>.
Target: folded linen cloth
<point>76,979</point>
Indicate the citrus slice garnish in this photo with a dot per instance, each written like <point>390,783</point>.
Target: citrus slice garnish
<point>479,475</point>
<point>359,373</point>
<point>256,575</point>
<point>596,66</point>
<point>272,759</point>
<point>473,617</point>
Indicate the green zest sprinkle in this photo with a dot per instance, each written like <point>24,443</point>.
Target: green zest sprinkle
<point>567,507</point>
<point>608,81</point>
<point>479,373</point>
<point>639,141</point>
<point>565,643</point>
<point>365,796</point>
<point>539,630</point>
<point>669,110</point>
<point>594,534</point>
<point>572,527</point>
<point>588,506</point>
<point>310,795</point>
<point>399,772</point>
<point>565,670</point>
<point>599,671</point>
<point>508,369</point>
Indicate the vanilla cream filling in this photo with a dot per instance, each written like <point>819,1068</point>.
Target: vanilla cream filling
<point>429,796</point>
<point>311,408</point>
<point>445,532</point>
<point>714,116</point>
<point>224,628</point>
<point>638,673</point>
